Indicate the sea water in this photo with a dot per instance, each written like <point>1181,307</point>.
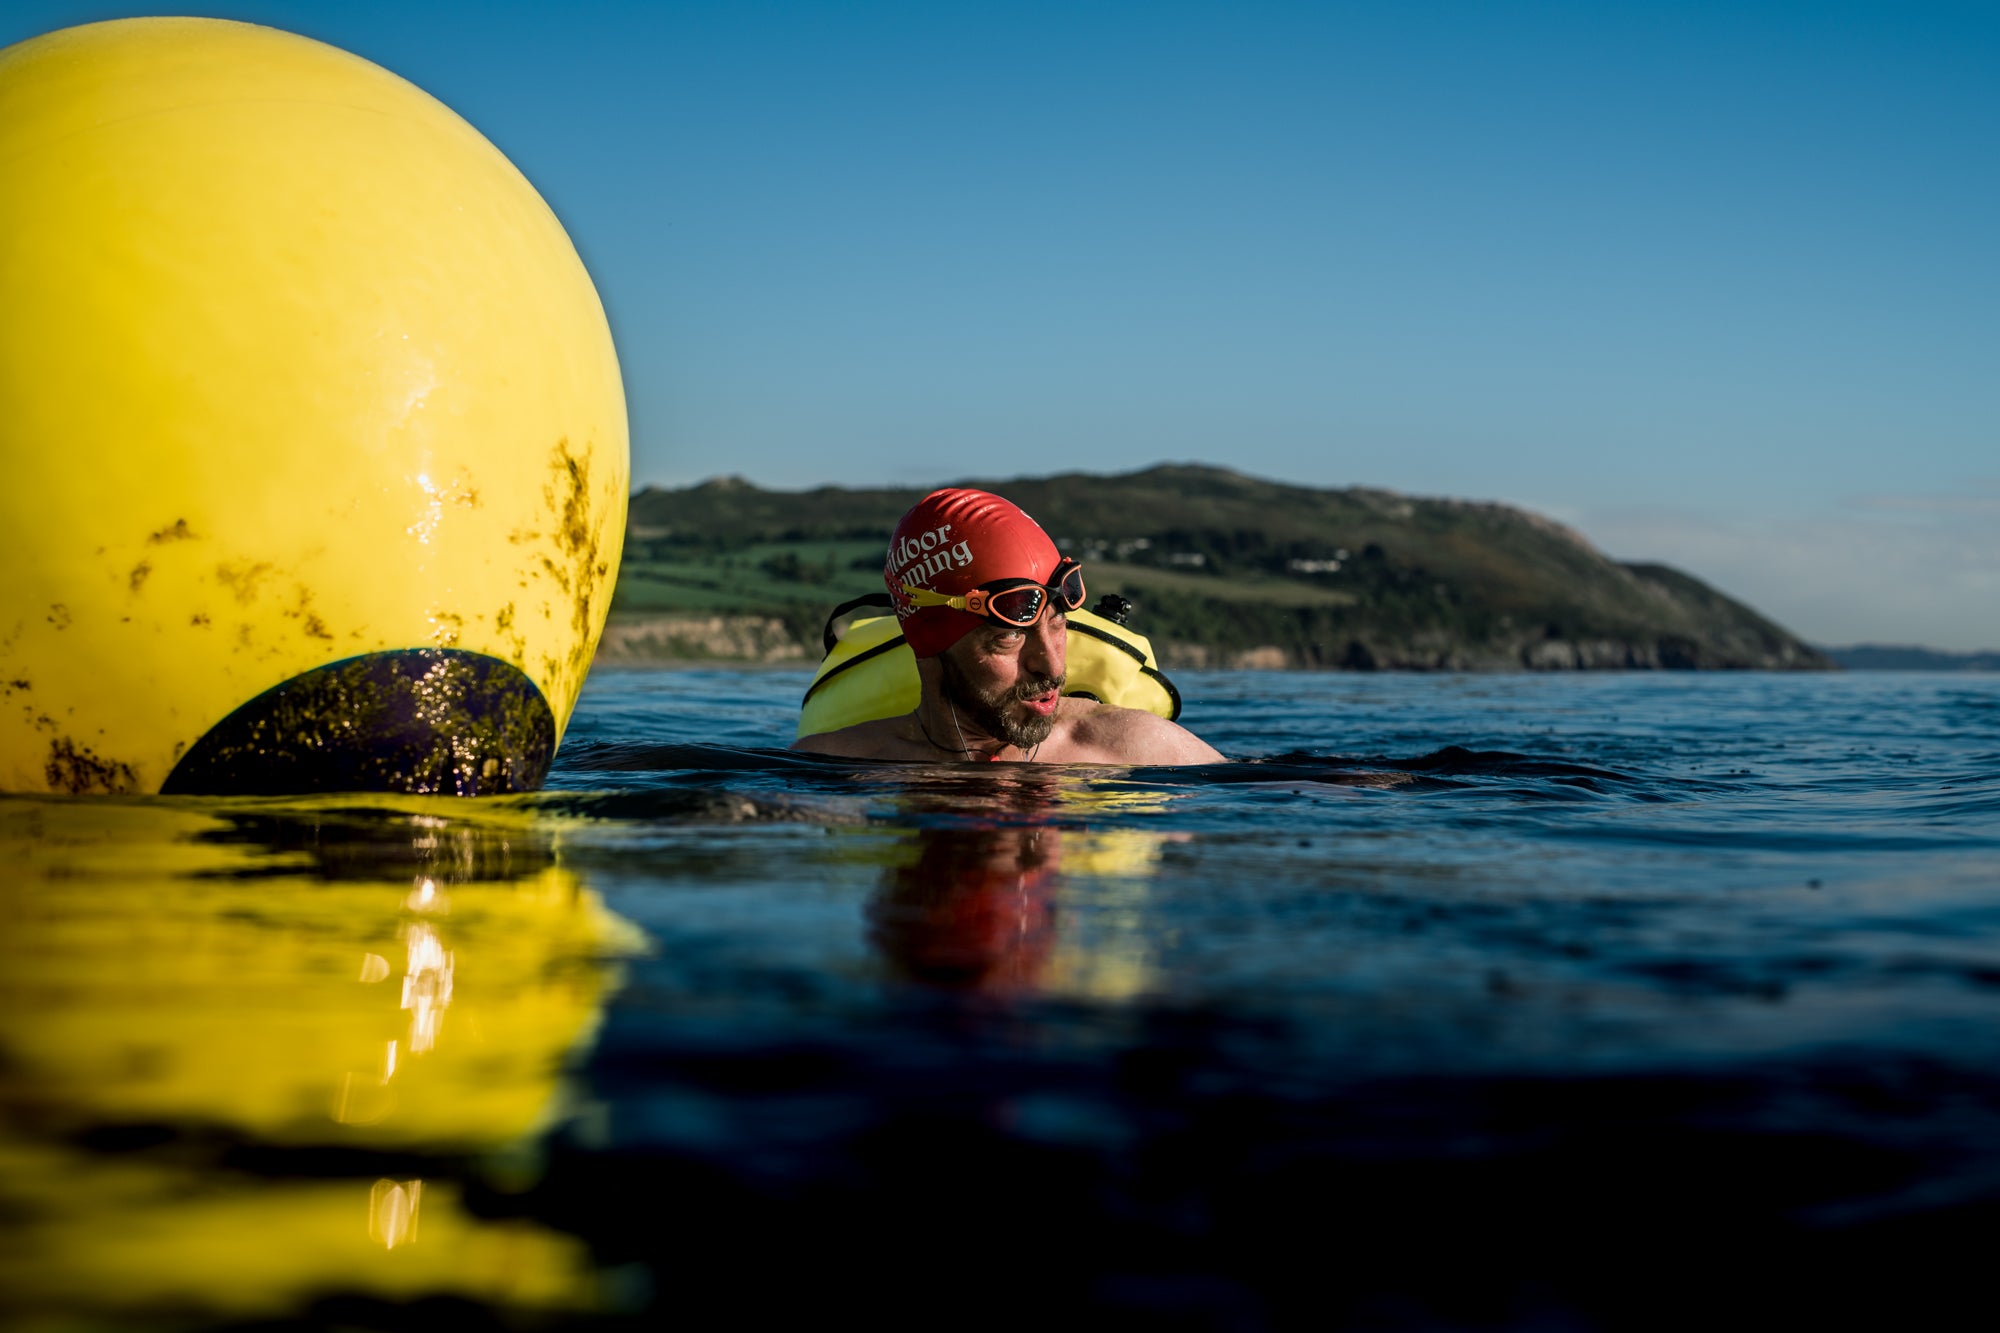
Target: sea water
<point>1537,1001</point>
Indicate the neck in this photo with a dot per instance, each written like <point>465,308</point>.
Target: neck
<point>946,729</point>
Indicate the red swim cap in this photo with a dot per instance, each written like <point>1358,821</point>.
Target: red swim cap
<point>952,541</point>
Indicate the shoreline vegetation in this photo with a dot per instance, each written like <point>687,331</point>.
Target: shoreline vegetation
<point>1223,570</point>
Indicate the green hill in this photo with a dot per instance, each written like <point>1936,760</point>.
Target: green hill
<point>1223,569</point>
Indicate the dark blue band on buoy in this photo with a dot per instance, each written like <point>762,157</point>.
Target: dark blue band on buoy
<point>418,720</point>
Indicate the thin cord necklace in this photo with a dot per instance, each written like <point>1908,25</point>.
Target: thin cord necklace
<point>935,742</point>
<point>963,748</point>
<point>968,750</point>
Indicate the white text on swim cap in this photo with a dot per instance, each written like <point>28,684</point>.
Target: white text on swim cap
<point>916,559</point>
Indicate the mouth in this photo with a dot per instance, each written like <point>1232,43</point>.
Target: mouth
<point>1044,703</point>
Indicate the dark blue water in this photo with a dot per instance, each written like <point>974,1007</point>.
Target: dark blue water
<point>1621,1001</point>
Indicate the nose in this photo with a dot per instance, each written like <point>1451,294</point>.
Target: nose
<point>1047,647</point>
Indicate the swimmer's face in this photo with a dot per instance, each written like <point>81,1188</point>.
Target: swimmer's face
<point>1008,681</point>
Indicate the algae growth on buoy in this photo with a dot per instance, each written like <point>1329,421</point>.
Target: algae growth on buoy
<point>314,439</point>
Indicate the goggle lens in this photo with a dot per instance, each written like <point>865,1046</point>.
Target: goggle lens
<point>1071,588</point>
<point>1021,606</point>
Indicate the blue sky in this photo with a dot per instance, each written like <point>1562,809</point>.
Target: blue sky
<point>1716,284</point>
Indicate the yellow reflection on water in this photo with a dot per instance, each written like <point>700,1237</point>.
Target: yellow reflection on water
<point>1109,951</point>
<point>185,987</point>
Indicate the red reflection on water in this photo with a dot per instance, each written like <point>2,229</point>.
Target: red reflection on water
<point>976,911</point>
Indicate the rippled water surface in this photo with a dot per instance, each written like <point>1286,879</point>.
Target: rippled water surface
<point>1459,1002</point>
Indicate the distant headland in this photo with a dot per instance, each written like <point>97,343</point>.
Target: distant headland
<point>1222,570</point>
<point>1909,657</point>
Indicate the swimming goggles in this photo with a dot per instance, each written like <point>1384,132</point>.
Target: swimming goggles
<point>1017,603</point>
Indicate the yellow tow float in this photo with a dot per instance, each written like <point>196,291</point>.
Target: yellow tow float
<point>869,672</point>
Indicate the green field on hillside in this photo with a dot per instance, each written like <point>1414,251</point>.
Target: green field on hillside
<point>763,576</point>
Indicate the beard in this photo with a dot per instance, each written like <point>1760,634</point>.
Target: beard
<point>988,711</point>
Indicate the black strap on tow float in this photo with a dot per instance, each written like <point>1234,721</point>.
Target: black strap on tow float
<point>881,599</point>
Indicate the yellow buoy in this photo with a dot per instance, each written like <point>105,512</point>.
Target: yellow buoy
<point>314,440</point>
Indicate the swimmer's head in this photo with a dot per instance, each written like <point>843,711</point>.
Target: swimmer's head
<point>951,542</point>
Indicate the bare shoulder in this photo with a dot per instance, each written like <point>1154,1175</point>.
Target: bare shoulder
<point>1102,734</point>
<point>863,740</point>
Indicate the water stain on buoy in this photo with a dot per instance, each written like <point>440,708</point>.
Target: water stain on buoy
<point>503,623</point>
<point>310,622</point>
<point>77,770</point>
<point>580,541</point>
<point>178,532</point>
<point>242,578</point>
